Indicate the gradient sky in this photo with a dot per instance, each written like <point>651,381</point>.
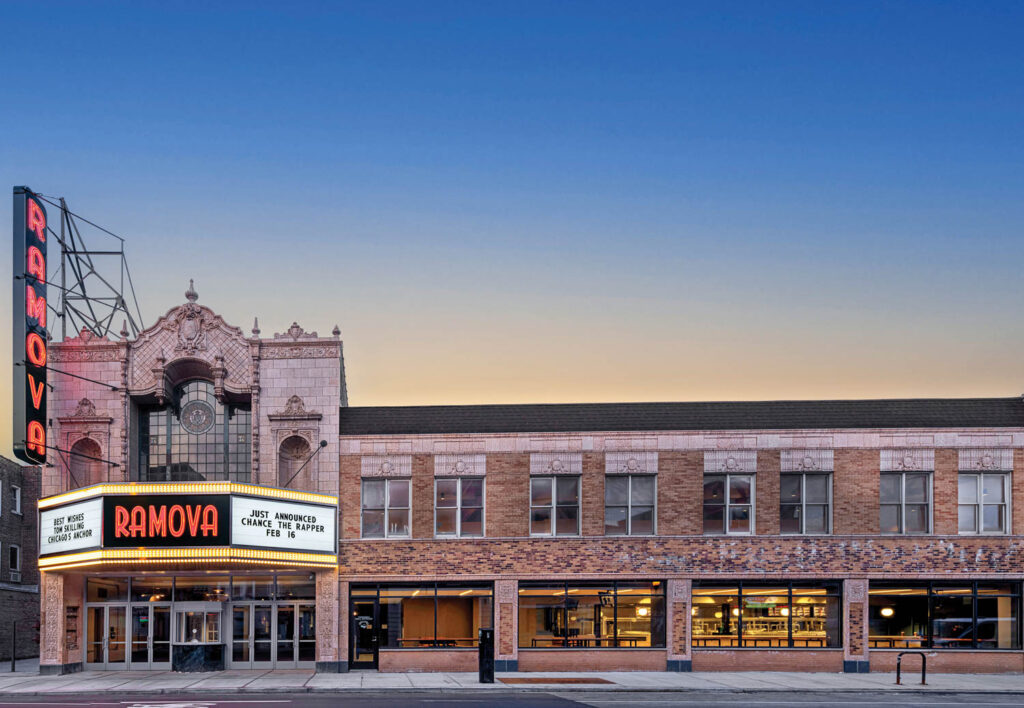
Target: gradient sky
<point>571,201</point>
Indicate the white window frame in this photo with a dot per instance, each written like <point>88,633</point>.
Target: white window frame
<point>980,505</point>
<point>728,504</point>
<point>12,568</point>
<point>387,507</point>
<point>629,505</point>
<point>16,491</point>
<point>458,507</point>
<point>803,504</point>
<point>903,502</point>
<point>554,504</point>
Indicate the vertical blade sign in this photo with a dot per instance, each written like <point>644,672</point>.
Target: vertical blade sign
<point>30,341</point>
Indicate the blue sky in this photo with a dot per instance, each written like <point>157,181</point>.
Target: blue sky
<point>555,201</point>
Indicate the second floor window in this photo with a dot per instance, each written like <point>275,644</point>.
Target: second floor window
<point>385,508</point>
<point>629,505</point>
<point>554,506</point>
<point>905,502</point>
<point>15,558</point>
<point>459,506</point>
<point>728,503</point>
<point>805,503</point>
<point>16,493</point>
<point>982,507</point>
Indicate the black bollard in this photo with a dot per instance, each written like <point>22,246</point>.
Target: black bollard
<point>486,665</point>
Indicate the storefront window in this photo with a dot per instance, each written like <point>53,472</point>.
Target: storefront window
<point>296,587</point>
<point>150,589</point>
<point>252,588</point>
<point>944,616</point>
<point>106,589</point>
<point>598,615</point>
<point>429,616</point>
<point>786,615</point>
<point>198,627</point>
<point>201,589</point>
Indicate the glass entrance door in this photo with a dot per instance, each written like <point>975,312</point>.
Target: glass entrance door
<point>273,636</point>
<point>150,637</point>
<point>364,634</point>
<point>106,637</point>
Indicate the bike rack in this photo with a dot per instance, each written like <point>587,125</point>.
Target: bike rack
<point>924,665</point>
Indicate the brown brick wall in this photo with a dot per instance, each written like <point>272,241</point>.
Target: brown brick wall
<point>680,620</point>
<point>766,660</point>
<point>351,493</point>
<point>855,637</point>
<point>592,503</point>
<point>953,662</point>
<point>855,491</point>
<point>21,608</point>
<point>506,629</point>
<point>423,496</point>
<point>945,491</point>
<point>679,493</point>
<point>427,660</point>
<point>600,660</point>
<point>766,490</point>
<point>508,495</point>
<point>654,557</point>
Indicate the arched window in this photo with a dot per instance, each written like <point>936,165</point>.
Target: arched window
<point>84,470</point>
<point>294,451</point>
<point>195,438</point>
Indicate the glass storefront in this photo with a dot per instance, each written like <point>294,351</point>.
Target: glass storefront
<point>776,615</point>
<point>623,614</point>
<point>943,615</point>
<point>423,616</point>
<point>263,621</point>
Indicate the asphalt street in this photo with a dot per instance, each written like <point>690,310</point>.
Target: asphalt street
<point>462,699</point>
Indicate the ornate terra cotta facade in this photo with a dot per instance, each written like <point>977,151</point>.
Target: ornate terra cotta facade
<point>809,535</point>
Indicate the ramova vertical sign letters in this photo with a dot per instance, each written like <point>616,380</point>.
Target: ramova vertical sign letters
<point>30,342</point>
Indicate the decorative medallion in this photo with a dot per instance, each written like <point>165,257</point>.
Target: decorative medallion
<point>197,417</point>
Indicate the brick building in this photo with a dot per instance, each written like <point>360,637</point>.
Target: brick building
<point>19,575</point>
<point>219,504</point>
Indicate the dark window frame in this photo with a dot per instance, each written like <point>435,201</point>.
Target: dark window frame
<point>789,585</point>
<point>930,586</point>
<point>614,584</point>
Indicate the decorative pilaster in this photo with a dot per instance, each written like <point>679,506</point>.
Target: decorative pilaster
<point>506,651</point>
<point>677,628</point>
<point>327,606</point>
<point>855,627</point>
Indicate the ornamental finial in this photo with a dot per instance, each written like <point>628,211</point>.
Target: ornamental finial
<point>191,295</point>
<point>255,327</point>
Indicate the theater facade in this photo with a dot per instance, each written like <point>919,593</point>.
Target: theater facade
<point>211,501</point>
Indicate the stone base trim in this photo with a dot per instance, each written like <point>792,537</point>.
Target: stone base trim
<point>856,667</point>
<point>684,665</point>
<point>506,665</point>
<point>59,669</point>
<point>332,667</point>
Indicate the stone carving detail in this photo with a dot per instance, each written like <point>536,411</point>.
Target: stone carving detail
<point>460,465</point>
<point>61,352</point>
<point>986,460</point>
<point>85,409</point>
<point>86,336</point>
<point>386,465</point>
<point>907,460</point>
<point>723,461</point>
<point>505,591</point>
<point>295,409</point>
<point>631,463</point>
<point>194,332</point>
<point>556,463</point>
<point>856,590</point>
<point>295,333</point>
<point>299,352</point>
<point>807,460</point>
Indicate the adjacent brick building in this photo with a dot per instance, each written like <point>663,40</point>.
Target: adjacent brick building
<point>19,575</point>
<point>811,535</point>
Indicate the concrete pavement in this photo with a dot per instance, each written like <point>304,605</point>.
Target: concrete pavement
<point>293,681</point>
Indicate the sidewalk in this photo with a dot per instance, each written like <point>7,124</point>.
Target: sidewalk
<point>298,681</point>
